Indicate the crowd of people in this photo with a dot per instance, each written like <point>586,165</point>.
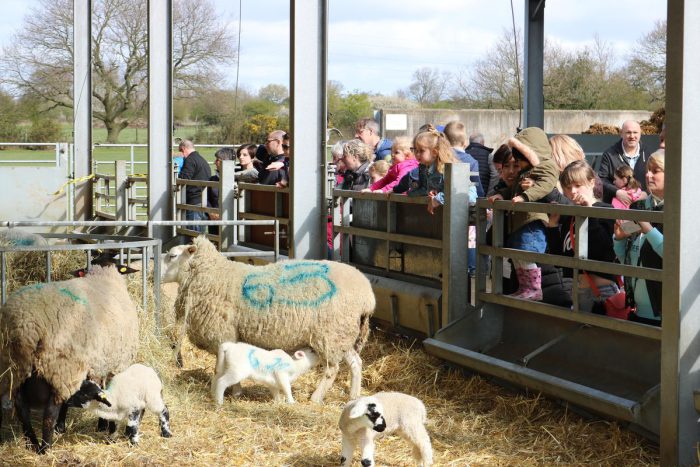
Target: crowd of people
<point>528,167</point>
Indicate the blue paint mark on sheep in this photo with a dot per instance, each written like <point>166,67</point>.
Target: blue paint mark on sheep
<point>276,365</point>
<point>253,360</point>
<point>72,296</point>
<point>262,290</point>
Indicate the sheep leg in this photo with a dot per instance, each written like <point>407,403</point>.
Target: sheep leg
<point>132,426</point>
<point>346,453</point>
<point>419,438</point>
<point>22,410</point>
<point>367,448</point>
<point>164,417</point>
<point>352,358</point>
<point>102,425</point>
<point>51,411</point>
<point>284,386</point>
<point>111,427</point>
<point>326,382</point>
<point>61,422</point>
<point>221,382</point>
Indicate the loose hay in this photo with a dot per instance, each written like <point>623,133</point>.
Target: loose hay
<point>471,421</point>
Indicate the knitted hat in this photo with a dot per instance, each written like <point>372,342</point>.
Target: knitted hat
<point>532,142</point>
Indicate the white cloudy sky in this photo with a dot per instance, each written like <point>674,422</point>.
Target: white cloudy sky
<point>376,45</point>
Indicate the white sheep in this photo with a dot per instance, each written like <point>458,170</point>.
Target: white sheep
<point>273,368</point>
<point>384,413</point>
<point>126,397</point>
<point>56,335</point>
<point>292,304</point>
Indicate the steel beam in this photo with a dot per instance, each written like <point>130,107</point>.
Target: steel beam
<point>680,345</point>
<point>82,106</point>
<point>308,60</point>
<point>160,85</point>
<point>534,63</point>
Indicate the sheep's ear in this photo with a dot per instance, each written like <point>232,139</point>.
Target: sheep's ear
<point>123,269</point>
<point>299,354</point>
<point>359,409</point>
<point>192,249</point>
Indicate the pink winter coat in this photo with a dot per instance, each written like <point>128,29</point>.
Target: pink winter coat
<point>394,175</point>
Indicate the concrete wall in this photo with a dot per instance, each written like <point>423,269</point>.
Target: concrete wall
<point>498,125</point>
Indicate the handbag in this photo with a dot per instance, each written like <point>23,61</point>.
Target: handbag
<point>615,306</point>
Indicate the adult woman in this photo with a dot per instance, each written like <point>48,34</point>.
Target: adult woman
<point>248,172</point>
<point>645,247</point>
<point>357,156</point>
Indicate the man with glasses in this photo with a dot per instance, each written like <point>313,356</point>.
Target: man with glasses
<point>367,130</point>
<point>628,150</point>
<point>194,167</point>
<point>276,168</point>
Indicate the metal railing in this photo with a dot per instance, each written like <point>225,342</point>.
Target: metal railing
<point>578,262</point>
<point>59,148</point>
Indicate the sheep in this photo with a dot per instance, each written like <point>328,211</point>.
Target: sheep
<point>273,368</point>
<point>321,304</point>
<point>15,237</point>
<point>62,333</point>
<point>127,396</point>
<point>370,417</point>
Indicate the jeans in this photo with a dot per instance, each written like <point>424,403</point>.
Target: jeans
<point>530,237</point>
<point>196,216</point>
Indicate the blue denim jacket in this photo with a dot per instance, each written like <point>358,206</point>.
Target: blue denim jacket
<point>383,149</point>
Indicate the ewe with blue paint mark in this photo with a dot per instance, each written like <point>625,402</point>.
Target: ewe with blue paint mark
<point>321,304</point>
<point>62,333</point>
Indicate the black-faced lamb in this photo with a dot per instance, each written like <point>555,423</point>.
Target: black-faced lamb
<point>126,397</point>
<point>384,413</point>
<point>292,304</point>
<point>274,368</point>
<point>62,333</point>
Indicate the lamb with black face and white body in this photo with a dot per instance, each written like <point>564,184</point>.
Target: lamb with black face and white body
<point>367,418</point>
<point>127,396</point>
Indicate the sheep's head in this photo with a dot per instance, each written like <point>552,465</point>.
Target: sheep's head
<point>306,357</point>
<point>369,412</point>
<point>89,391</point>
<point>175,260</point>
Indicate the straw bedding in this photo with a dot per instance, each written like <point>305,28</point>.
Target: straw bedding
<point>471,421</point>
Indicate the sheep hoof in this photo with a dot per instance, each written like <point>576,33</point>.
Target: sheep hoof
<point>178,360</point>
<point>366,462</point>
<point>60,429</point>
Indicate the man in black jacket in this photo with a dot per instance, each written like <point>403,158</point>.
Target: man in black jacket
<point>275,170</point>
<point>629,150</point>
<point>193,168</point>
<point>487,171</point>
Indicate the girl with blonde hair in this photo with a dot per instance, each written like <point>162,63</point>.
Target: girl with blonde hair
<point>433,151</point>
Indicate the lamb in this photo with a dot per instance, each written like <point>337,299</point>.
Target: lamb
<point>321,304</point>
<point>273,368</point>
<point>370,417</point>
<point>62,333</point>
<point>127,396</point>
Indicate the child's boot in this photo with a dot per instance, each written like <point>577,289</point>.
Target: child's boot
<point>534,284</point>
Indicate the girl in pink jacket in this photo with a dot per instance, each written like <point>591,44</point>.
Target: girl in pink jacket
<point>403,161</point>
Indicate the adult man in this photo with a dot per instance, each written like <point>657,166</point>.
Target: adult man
<point>629,150</point>
<point>367,130</point>
<point>194,167</point>
<point>275,170</point>
<point>487,170</point>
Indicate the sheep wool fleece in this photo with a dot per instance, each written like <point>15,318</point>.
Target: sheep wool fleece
<point>321,304</point>
<point>67,331</point>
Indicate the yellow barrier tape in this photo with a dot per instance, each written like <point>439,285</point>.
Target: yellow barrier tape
<point>72,182</point>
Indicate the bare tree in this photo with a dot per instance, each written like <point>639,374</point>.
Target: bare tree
<point>428,86</point>
<point>491,81</point>
<point>39,60</point>
<point>277,93</point>
<point>647,64</point>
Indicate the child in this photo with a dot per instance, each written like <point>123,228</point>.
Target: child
<point>377,171</point>
<point>624,180</point>
<point>578,181</point>
<point>531,150</point>
<point>403,161</point>
<point>433,151</point>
